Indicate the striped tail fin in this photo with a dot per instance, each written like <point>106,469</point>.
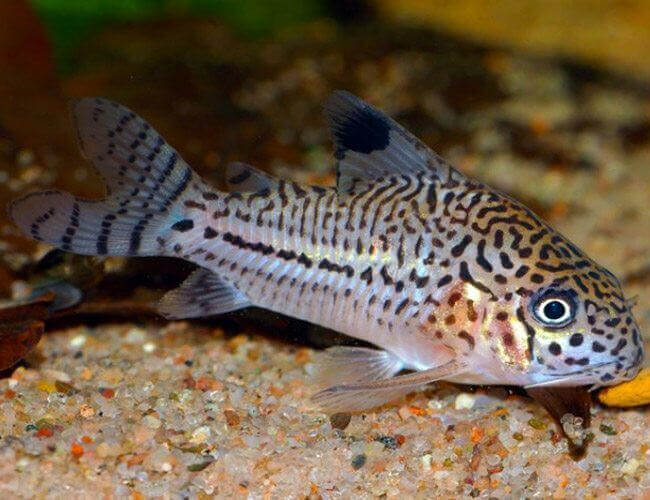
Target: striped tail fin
<point>147,181</point>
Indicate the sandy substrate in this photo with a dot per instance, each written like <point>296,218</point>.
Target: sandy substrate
<point>176,410</point>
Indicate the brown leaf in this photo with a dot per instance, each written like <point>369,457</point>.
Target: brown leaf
<point>21,327</point>
<point>17,339</point>
<point>35,309</point>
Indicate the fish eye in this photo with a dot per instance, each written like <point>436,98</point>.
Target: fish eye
<point>554,309</point>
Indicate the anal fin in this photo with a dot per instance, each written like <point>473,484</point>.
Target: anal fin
<point>365,395</point>
<point>203,293</point>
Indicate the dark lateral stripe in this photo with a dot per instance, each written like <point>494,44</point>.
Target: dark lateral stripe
<point>255,247</point>
<point>305,261</point>
<point>287,254</point>
<point>333,267</point>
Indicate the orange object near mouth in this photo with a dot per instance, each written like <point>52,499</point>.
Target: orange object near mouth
<point>635,392</point>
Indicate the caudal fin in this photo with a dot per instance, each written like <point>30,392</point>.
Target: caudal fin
<point>147,182</point>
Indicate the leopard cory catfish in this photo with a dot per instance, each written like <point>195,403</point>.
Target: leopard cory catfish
<point>446,276</point>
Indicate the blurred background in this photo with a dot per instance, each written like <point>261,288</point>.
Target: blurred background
<point>549,101</point>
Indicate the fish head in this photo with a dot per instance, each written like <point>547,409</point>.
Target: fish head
<point>569,316</point>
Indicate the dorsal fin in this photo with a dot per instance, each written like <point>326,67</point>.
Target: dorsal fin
<point>244,178</point>
<point>370,145</point>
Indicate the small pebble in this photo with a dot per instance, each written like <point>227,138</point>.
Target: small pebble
<point>608,429</point>
<point>536,423</point>
<point>56,375</point>
<point>232,418</point>
<point>200,434</point>
<point>46,386</point>
<point>135,335</point>
<point>149,347</point>
<point>22,463</point>
<point>107,392</point>
<point>464,401</point>
<point>151,422</point>
<point>199,466</point>
<point>389,442</point>
<point>358,461</point>
<point>64,387</point>
<point>340,420</point>
<point>630,466</point>
<point>76,450</point>
<point>404,412</point>
<point>78,340</point>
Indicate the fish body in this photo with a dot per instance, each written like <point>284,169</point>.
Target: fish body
<point>447,276</point>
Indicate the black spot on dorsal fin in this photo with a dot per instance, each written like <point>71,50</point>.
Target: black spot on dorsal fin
<point>369,146</point>
<point>362,130</point>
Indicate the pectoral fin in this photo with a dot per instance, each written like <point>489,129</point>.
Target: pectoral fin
<point>365,395</point>
<point>347,365</point>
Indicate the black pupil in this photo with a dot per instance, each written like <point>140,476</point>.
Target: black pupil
<point>554,309</point>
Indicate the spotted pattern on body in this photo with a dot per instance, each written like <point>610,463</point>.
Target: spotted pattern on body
<point>405,252</point>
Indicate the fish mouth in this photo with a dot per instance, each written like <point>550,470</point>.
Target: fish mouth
<point>583,376</point>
